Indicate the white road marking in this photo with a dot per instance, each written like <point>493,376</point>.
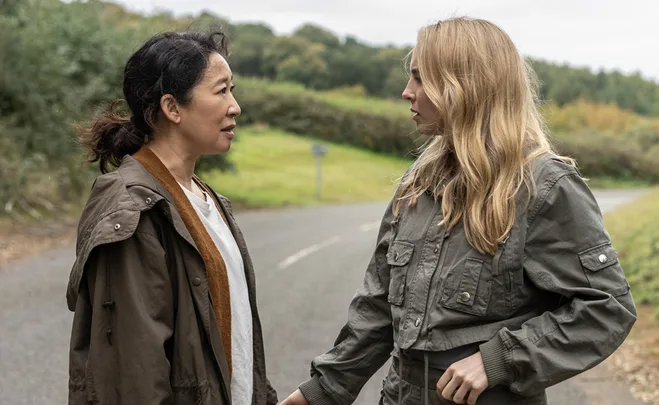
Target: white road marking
<point>370,226</point>
<point>290,260</point>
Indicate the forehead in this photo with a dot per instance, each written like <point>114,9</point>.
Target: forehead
<point>217,68</point>
<point>413,63</point>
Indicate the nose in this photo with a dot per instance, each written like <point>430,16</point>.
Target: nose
<point>234,108</point>
<point>408,94</point>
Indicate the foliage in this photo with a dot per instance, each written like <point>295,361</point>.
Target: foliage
<point>61,61</point>
<point>635,235</point>
<point>631,155</point>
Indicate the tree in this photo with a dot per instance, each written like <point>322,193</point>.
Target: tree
<point>281,49</point>
<point>307,67</point>
<point>249,45</point>
<point>319,35</point>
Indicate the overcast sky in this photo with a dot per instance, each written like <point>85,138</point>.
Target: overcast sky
<point>609,34</point>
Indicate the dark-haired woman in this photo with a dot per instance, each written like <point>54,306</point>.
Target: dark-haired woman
<point>163,287</point>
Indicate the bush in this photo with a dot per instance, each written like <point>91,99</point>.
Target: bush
<point>305,113</point>
<point>386,127</point>
<point>625,157</point>
<point>60,60</point>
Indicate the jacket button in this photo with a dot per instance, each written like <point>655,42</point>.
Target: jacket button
<point>464,296</point>
<point>148,200</point>
<point>196,281</point>
<point>117,227</point>
<point>418,322</point>
<point>602,258</point>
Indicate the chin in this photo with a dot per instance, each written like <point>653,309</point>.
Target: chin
<point>222,145</point>
<point>217,149</point>
<point>225,145</point>
<point>428,129</point>
<point>425,130</point>
<point>222,149</point>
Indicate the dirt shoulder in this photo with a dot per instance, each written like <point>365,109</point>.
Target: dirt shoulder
<point>26,238</point>
<point>636,362</point>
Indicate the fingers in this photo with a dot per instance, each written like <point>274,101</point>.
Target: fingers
<point>448,390</point>
<point>444,380</point>
<point>460,388</point>
<point>460,396</point>
<point>473,396</point>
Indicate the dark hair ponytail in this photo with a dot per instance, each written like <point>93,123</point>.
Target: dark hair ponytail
<point>168,63</point>
<point>111,137</point>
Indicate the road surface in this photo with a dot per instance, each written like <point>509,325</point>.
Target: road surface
<point>309,263</point>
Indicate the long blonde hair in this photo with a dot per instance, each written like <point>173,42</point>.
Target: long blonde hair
<point>490,131</point>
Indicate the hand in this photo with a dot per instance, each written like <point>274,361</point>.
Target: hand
<point>466,377</point>
<point>295,398</point>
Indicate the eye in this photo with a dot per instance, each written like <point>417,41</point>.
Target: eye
<point>224,89</point>
<point>414,73</point>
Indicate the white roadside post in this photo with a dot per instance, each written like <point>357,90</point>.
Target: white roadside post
<point>318,151</point>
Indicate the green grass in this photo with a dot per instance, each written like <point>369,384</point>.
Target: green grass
<point>635,233</point>
<point>275,169</point>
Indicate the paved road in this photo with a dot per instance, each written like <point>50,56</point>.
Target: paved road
<point>309,263</point>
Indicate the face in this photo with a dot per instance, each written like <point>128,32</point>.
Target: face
<point>208,120</point>
<point>425,113</point>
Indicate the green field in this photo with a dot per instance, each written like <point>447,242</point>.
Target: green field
<point>635,233</point>
<point>274,168</point>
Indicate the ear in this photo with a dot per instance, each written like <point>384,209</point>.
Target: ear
<point>170,108</point>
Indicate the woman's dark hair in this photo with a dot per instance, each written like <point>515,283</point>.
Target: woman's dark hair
<point>169,63</point>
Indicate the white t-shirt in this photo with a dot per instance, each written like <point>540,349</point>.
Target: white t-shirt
<point>242,352</point>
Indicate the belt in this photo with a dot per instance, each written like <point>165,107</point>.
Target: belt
<point>439,360</point>
<point>423,369</point>
<point>415,374</point>
<point>425,374</point>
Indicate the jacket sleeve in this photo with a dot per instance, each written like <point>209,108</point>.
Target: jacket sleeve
<point>365,341</point>
<point>568,252</point>
<point>128,291</point>
<point>271,395</point>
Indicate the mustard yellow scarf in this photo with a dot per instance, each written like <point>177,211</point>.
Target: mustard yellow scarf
<point>218,281</point>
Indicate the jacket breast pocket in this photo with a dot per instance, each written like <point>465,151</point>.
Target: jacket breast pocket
<point>464,290</point>
<point>603,269</point>
<point>398,258</point>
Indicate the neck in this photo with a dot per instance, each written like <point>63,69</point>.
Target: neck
<point>175,158</point>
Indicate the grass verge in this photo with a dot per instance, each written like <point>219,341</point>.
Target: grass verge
<point>275,168</point>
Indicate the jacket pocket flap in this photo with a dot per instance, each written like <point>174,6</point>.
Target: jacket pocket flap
<point>400,253</point>
<point>599,257</point>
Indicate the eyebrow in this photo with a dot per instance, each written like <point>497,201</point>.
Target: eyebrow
<point>223,80</point>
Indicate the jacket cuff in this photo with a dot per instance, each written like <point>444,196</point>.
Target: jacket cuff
<point>314,393</point>
<point>271,395</point>
<point>496,359</point>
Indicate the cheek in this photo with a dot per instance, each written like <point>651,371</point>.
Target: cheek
<point>427,108</point>
<point>212,108</point>
<point>424,102</point>
<point>207,107</point>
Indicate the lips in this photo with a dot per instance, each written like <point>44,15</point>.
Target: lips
<point>415,112</point>
<point>229,130</point>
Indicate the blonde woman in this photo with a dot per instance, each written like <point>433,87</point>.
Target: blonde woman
<point>493,276</point>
